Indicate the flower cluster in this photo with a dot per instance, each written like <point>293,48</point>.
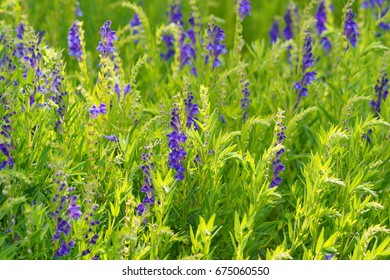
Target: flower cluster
<point>95,111</point>
<point>375,5</point>
<point>126,90</point>
<point>214,47</point>
<point>106,45</point>
<point>135,26</point>
<point>175,16</point>
<point>191,110</point>
<point>274,33</point>
<point>176,139</point>
<point>351,28</point>
<point>74,41</point>
<point>277,166</point>
<point>307,62</point>
<point>245,101</point>
<point>381,90</point>
<point>320,16</point>
<point>147,188</point>
<point>244,9</point>
<point>6,129</point>
<point>187,50</point>
<point>288,31</point>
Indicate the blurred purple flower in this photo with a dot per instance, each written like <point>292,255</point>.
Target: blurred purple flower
<point>351,28</point>
<point>274,33</point>
<point>244,9</point>
<point>288,30</point>
<point>320,16</point>
<point>191,110</point>
<point>112,138</point>
<point>381,90</point>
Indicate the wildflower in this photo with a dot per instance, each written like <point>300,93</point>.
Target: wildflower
<point>372,3</point>
<point>288,30</point>
<point>106,45</point>
<point>126,90</point>
<point>63,250</point>
<point>20,29</point>
<point>95,111</point>
<point>63,226</point>
<point>320,16</point>
<point>175,140</point>
<point>175,16</point>
<point>215,48</point>
<point>191,109</point>
<point>351,28</point>
<point>141,209</point>
<point>94,239</point>
<point>277,166</point>
<point>74,42</point>
<point>112,138</point>
<point>244,9</point>
<point>274,33</point>
<point>245,101</point>
<point>74,210</point>
<point>79,12</point>
<point>329,256</point>
<point>307,62</point>
<point>135,26</point>
<point>381,90</point>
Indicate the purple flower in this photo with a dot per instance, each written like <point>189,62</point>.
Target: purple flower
<point>135,26</point>
<point>106,45</point>
<point>63,250</point>
<point>20,29</point>
<point>95,111</point>
<point>244,9</point>
<point>79,12</point>
<point>274,33</point>
<point>176,140</point>
<point>63,226</point>
<point>169,41</point>
<point>381,90</point>
<point>141,208</point>
<point>73,209</point>
<point>372,3</point>
<point>307,62</point>
<point>320,16</point>
<point>191,110</point>
<point>126,90</point>
<point>277,166</point>
<point>94,239</point>
<point>215,48</point>
<point>351,28</point>
<point>288,30</point>
<point>245,101</point>
<point>74,41</point>
<point>329,256</point>
<point>175,14</point>
<point>112,138</point>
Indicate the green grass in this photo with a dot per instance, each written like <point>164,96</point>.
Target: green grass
<point>334,198</point>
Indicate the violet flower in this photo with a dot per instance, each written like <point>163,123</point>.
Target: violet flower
<point>277,166</point>
<point>288,31</point>
<point>175,16</point>
<point>74,41</point>
<point>245,101</point>
<point>95,111</point>
<point>176,139</point>
<point>381,90</point>
<point>244,9</point>
<point>214,47</point>
<point>274,33</point>
<point>351,28</point>
<point>307,62</point>
<point>320,16</point>
<point>191,110</point>
<point>135,26</point>
<point>106,45</point>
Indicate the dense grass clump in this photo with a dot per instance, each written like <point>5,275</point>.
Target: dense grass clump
<point>216,130</point>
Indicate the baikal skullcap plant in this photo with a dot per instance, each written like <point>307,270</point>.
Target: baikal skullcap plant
<point>194,130</point>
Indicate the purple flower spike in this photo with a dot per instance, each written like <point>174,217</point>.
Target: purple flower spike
<point>288,30</point>
<point>176,140</point>
<point>244,9</point>
<point>63,250</point>
<point>215,48</point>
<point>381,90</point>
<point>141,209</point>
<point>307,62</point>
<point>191,110</point>
<point>351,28</point>
<point>74,41</point>
<point>106,45</point>
<point>320,16</point>
<point>20,29</point>
<point>274,33</point>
